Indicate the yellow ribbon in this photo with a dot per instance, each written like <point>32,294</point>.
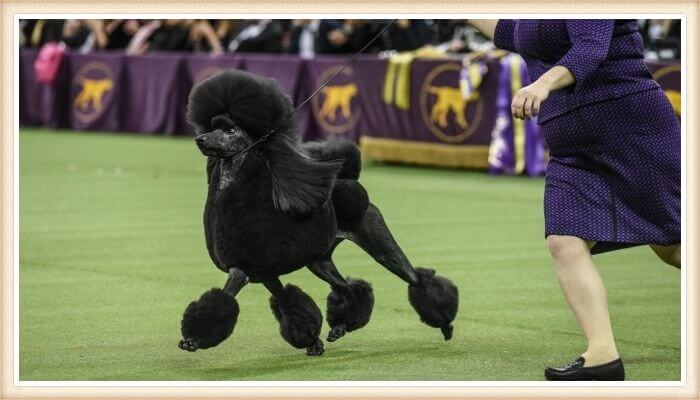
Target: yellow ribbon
<point>397,81</point>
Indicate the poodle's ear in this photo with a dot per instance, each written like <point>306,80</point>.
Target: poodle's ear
<point>300,184</point>
<point>211,164</point>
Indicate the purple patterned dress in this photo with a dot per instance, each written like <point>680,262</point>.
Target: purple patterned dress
<point>614,176</point>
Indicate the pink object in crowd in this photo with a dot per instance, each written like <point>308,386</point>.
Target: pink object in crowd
<point>47,63</point>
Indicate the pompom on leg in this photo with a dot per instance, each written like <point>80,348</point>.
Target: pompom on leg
<point>209,320</point>
<point>349,307</point>
<point>300,319</point>
<point>435,299</point>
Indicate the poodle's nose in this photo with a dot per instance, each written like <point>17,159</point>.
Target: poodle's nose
<point>199,139</point>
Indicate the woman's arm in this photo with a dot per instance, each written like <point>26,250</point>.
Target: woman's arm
<point>590,41</point>
<point>526,102</point>
<point>203,29</point>
<point>97,28</point>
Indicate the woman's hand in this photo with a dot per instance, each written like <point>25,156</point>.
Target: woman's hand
<point>526,102</point>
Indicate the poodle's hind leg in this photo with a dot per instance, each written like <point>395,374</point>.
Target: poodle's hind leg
<point>434,298</point>
<point>211,319</point>
<point>350,302</point>
<point>299,317</point>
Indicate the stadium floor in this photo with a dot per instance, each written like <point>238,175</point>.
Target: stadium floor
<point>112,250</point>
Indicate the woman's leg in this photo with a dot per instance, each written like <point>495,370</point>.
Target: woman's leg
<point>585,292</point>
<point>671,255</point>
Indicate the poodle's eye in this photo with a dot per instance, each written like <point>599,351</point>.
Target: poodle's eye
<point>231,130</point>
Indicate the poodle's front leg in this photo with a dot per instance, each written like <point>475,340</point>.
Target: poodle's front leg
<point>299,317</point>
<point>434,298</point>
<point>211,319</point>
<point>349,305</point>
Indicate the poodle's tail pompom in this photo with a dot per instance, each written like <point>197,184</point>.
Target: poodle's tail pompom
<point>209,320</point>
<point>350,201</point>
<point>435,299</point>
<point>299,317</point>
<point>349,308</point>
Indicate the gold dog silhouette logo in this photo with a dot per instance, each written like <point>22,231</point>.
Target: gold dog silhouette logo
<point>446,113</point>
<point>337,98</point>
<point>92,93</point>
<point>335,107</point>
<point>95,83</point>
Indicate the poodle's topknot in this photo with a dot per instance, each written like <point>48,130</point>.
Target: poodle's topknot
<point>300,183</point>
<point>255,103</point>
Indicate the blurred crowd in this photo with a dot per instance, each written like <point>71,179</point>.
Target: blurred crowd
<point>305,37</point>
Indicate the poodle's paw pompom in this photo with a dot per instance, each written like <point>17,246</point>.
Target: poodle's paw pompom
<point>209,320</point>
<point>299,318</point>
<point>349,308</point>
<point>316,349</point>
<point>188,344</point>
<point>435,299</point>
<point>336,333</point>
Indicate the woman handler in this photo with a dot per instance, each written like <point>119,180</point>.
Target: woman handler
<point>614,177</point>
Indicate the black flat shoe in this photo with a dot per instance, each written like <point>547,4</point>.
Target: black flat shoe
<point>575,371</point>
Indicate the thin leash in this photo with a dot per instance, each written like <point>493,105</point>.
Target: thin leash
<point>346,64</point>
<point>267,135</point>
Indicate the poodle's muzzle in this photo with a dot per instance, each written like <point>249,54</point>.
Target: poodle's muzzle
<point>223,143</point>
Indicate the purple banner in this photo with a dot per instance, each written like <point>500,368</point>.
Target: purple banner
<point>405,109</point>
<point>337,109</point>
<point>151,89</point>
<point>96,92</point>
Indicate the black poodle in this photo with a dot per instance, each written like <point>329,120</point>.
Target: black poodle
<point>276,205</point>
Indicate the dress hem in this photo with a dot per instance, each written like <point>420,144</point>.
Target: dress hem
<point>603,245</point>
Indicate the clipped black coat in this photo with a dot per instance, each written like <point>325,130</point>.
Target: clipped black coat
<point>268,210</point>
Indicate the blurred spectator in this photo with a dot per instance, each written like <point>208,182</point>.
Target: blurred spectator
<point>261,36</point>
<point>171,35</point>
<point>362,31</point>
<point>84,35</point>
<point>175,35</point>
<point>347,36</point>
<point>139,42</point>
<point>42,31</point>
<point>408,34</point>
<point>120,32</point>
<point>333,37</point>
<point>223,28</point>
<point>451,36</point>
<point>303,37</point>
<point>454,36</point>
<point>74,33</point>
<point>662,38</point>
<point>205,38</point>
<point>444,30</point>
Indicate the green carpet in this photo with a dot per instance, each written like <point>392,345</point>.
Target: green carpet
<point>112,250</point>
